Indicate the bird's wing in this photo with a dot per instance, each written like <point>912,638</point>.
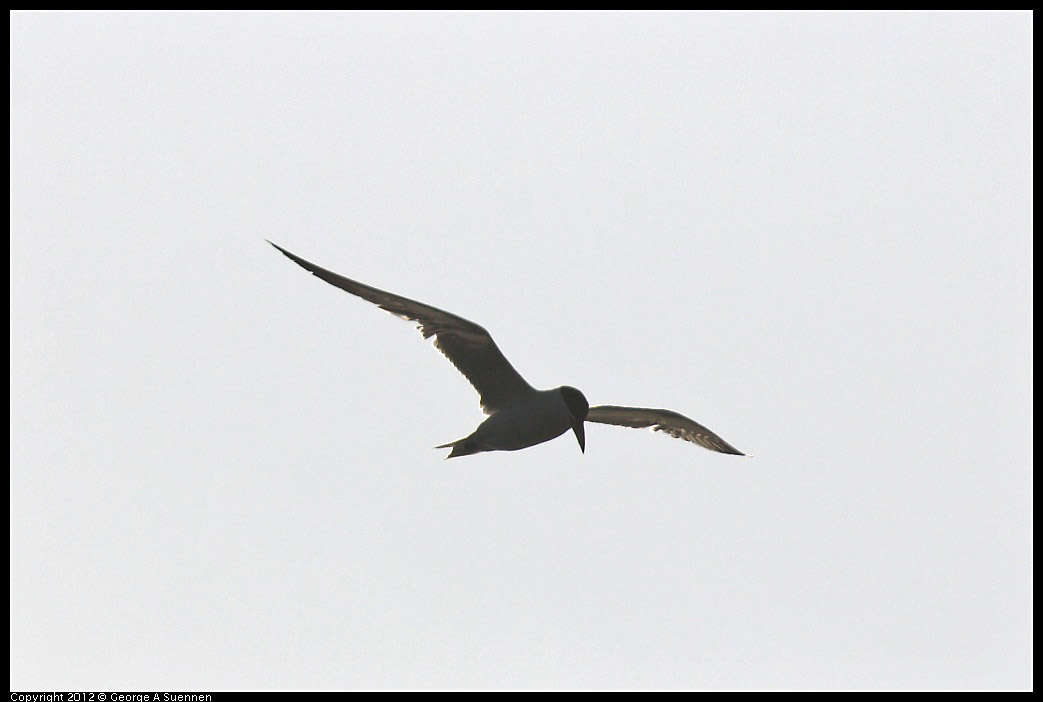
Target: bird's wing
<point>674,424</point>
<point>467,345</point>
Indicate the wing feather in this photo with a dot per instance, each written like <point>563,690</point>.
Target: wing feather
<point>667,421</point>
<point>467,345</point>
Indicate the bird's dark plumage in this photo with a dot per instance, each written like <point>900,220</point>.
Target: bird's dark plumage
<point>520,415</point>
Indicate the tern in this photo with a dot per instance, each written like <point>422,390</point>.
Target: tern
<point>519,415</point>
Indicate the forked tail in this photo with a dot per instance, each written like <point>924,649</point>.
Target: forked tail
<point>462,447</point>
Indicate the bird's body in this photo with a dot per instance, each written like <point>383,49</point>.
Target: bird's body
<point>519,415</point>
<point>542,416</point>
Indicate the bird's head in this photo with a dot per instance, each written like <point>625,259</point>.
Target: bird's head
<point>578,407</point>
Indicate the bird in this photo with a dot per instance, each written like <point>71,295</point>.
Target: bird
<point>519,415</point>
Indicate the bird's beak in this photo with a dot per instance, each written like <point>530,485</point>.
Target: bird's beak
<point>578,428</point>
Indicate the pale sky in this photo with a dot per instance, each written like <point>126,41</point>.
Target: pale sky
<point>810,232</point>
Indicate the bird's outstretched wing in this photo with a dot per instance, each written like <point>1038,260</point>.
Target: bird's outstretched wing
<point>674,424</point>
<point>467,345</point>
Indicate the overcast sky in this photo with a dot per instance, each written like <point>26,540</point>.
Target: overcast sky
<point>810,232</point>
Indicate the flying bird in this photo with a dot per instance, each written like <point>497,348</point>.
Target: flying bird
<point>519,415</point>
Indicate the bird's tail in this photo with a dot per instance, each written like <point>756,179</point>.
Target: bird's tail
<point>462,447</point>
